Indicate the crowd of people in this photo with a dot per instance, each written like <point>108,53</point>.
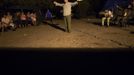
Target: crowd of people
<point>21,19</point>
<point>119,16</point>
<point>10,21</point>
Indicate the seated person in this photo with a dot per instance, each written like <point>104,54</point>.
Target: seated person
<point>12,26</point>
<point>29,20</point>
<point>125,17</point>
<point>16,19</point>
<point>23,20</point>
<point>107,15</point>
<point>10,17</point>
<point>33,17</point>
<point>118,13</point>
<point>49,16</point>
<point>5,21</point>
<point>131,9</point>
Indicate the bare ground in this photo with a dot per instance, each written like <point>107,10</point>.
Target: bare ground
<point>84,35</point>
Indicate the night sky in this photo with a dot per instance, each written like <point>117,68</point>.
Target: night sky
<point>88,7</point>
<point>110,4</point>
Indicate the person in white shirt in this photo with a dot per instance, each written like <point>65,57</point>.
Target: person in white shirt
<point>10,17</point>
<point>33,18</point>
<point>5,21</point>
<point>67,12</point>
<point>107,15</point>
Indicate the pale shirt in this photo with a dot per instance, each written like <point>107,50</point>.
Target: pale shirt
<point>66,7</point>
<point>10,17</point>
<point>23,17</point>
<point>33,17</point>
<point>109,14</point>
<point>5,20</point>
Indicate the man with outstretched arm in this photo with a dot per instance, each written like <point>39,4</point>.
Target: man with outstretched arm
<point>67,12</point>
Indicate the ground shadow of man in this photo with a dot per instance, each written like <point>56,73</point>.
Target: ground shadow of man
<point>49,20</point>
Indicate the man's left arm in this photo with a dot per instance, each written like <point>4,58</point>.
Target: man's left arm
<point>75,3</point>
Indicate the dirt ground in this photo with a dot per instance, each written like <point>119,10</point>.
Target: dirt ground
<point>84,34</point>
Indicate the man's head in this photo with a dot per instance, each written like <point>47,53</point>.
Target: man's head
<point>65,1</point>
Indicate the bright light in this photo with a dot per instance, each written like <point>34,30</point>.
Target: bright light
<point>79,0</point>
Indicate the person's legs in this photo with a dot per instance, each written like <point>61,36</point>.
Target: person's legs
<point>65,20</point>
<point>35,21</point>
<point>16,24</point>
<point>2,28</point>
<point>108,21</point>
<point>69,23</point>
<point>114,19</point>
<point>21,23</point>
<point>123,22</point>
<point>103,21</point>
<point>119,21</point>
<point>5,27</point>
<point>52,20</point>
<point>25,23</point>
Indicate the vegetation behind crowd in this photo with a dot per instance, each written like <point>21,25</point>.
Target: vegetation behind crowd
<point>84,9</point>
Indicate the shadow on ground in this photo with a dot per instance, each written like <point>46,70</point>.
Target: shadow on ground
<point>131,32</point>
<point>54,26</point>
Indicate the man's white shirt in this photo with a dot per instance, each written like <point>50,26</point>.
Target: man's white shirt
<point>66,7</point>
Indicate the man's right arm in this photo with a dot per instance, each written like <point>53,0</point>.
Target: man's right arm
<point>58,4</point>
